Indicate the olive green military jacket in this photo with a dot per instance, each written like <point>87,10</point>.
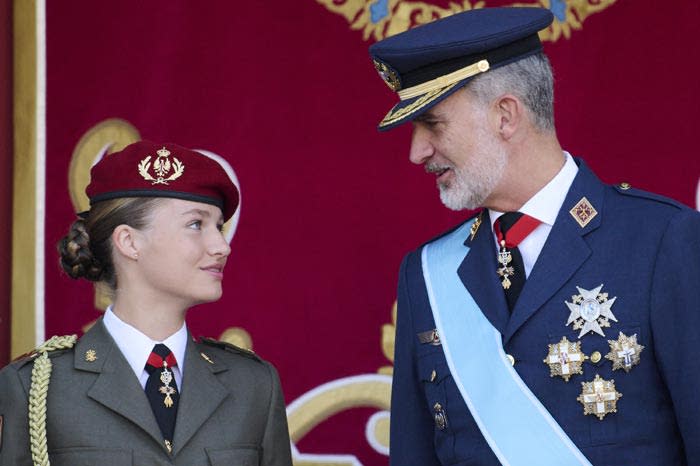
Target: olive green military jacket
<point>231,410</point>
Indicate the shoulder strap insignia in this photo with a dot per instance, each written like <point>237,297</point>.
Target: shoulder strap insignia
<point>230,348</point>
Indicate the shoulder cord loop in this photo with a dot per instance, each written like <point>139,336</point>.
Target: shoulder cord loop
<point>41,374</point>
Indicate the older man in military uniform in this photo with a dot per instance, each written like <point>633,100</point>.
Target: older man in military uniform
<point>558,326</point>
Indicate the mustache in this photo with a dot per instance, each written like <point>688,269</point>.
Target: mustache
<point>437,168</point>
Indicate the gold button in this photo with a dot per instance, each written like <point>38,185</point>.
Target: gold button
<point>595,357</point>
<point>511,359</point>
<point>625,186</point>
<point>433,375</point>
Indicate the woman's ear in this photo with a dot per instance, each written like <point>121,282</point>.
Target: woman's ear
<point>124,241</point>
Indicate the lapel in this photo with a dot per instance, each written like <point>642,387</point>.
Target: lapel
<point>201,394</point>
<point>116,386</point>
<point>563,253</point>
<point>478,274</point>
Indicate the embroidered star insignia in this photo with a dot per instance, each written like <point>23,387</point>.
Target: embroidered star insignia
<point>590,311</point>
<point>624,352</point>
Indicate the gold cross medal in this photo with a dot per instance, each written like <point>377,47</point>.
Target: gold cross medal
<point>590,311</point>
<point>166,377</point>
<point>565,359</point>
<point>624,352</point>
<point>504,258</point>
<point>599,397</point>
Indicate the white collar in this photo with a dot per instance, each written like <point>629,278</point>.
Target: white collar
<point>136,347</point>
<point>545,204</point>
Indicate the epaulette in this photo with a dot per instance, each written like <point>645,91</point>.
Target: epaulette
<point>230,348</point>
<point>627,190</point>
<point>53,347</point>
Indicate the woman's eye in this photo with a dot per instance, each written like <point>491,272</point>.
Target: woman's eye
<point>196,225</point>
<point>220,227</point>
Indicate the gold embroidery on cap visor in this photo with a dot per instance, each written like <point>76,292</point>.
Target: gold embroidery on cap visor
<point>397,114</point>
<point>430,91</point>
<point>161,168</point>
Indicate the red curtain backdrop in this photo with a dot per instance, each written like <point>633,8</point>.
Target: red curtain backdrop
<point>286,93</point>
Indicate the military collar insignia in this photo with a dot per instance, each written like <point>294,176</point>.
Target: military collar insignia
<point>161,173</point>
<point>206,358</point>
<point>91,355</point>
<point>624,352</point>
<point>565,359</point>
<point>583,212</point>
<point>475,226</point>
<point>590,311</point>
<point>388,75</point>
<point>599,397</point>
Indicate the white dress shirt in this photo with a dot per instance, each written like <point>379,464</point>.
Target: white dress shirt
<point>136,347</point>
<point>544,206</point>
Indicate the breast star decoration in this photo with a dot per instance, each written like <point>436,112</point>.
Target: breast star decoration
<point>624,352</point>
<point>590,311</point>
<point>565,359</point>
<point>599,397</point>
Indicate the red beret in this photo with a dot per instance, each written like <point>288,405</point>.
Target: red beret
<point>148,169</point>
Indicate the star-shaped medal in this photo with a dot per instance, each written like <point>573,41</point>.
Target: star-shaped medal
<point>624,352</point>
<point>590,311</point>
<point>565,359</point>
<point>599,397</point>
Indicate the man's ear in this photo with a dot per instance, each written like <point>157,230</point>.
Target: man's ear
<point>510,113</point>
<point>125,242</point>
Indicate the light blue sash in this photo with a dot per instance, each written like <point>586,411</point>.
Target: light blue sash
<point>519,430</point>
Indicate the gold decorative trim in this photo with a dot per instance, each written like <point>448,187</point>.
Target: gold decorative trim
<point>399,114</point>
<point>401,15</point>
<point>23,302</point>
<point>438,83</point>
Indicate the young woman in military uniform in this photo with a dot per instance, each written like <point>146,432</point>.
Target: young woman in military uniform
<point>136,389</point>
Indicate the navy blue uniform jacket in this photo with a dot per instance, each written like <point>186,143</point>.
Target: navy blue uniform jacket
<point>645,250</point>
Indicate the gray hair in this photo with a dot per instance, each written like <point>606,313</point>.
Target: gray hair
<point>530,79</point>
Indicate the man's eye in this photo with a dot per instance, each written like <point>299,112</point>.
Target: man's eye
<point>220,226</point>
<point>196,225</point>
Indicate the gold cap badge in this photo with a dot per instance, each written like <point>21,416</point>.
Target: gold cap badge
<point>388,75</point>
<point>163,170</point>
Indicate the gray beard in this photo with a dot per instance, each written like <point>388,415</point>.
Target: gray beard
<point>471,186</point>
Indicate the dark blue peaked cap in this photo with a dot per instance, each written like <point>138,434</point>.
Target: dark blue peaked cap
<point>426,64</point>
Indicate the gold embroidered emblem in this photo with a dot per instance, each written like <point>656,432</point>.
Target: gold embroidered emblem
<point>565,359</point>
<point>91,355</point>
<point>624,352</point>
<point>163,169</point>
<point>599,397</point>
<point>475,228</point>
<point>388,75</point>
<point>206,358</point>
<point>590,311</point>
<point>583,212</point>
